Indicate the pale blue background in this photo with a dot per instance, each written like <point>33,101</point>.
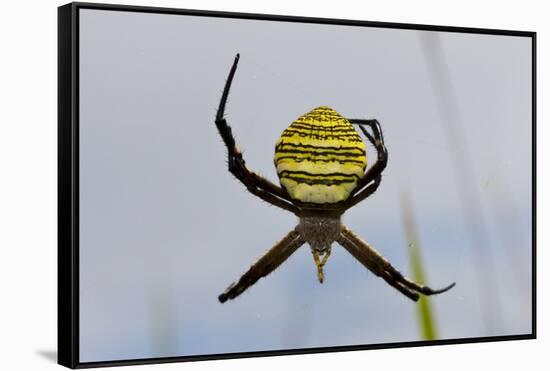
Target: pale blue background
<point>165,228</point>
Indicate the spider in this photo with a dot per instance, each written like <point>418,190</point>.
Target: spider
<point>321,163</point>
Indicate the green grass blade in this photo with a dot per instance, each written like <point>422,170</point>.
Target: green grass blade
<point>425,312</point>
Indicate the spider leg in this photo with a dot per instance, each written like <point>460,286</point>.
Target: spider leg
<point>364,188</point>
<point>377,264</point>
<point>366,192</point>
<point>265,265</point>
<point>371,265</point>
<point>255,183</point>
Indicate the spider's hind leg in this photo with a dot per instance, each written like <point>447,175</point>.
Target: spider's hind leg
<point>370,181</point>
<point>255,183</point>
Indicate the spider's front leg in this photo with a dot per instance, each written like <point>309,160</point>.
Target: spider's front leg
<point>255,184</point>
<point>265,265</point>
<point>370,181</point>
<point>378,265</point>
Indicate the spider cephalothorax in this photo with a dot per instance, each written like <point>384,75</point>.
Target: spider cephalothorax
<point>321,161</point>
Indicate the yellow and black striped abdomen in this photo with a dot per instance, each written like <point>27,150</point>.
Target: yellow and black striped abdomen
<point>320,157</point>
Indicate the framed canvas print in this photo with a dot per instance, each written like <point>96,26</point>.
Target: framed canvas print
<point>236,185</point>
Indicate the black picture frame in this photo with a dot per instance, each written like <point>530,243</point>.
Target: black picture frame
<point>68,181</point>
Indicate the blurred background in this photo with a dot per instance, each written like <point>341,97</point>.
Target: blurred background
<point>164,228</point>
